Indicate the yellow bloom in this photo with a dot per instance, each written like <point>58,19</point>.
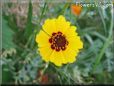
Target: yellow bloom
<point>58,41</point>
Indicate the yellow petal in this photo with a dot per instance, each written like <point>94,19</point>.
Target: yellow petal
<point>70,55</point>
<point>75,43</point>
<point>49,26</point>
<point>57,58</point>
<point>42,39</point>
<point>61,24</point>
<point>71,32</point>
<point>45,52</point>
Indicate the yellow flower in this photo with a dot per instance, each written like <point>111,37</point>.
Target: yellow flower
<point>58,41</point>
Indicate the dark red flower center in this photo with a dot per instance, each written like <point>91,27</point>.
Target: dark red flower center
<point>58,41</point>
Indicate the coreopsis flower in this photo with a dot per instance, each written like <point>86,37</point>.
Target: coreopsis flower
<point>76,9</point>
<point>58,41</point>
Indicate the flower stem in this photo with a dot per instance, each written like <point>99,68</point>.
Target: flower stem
<point>102,18</point>
<point>64,8</point>
<point>107,43</point>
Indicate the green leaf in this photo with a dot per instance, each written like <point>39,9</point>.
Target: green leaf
<point>7,36</point>
<point>29,25</point>
<point>7,70</point>
<point>6,75</point>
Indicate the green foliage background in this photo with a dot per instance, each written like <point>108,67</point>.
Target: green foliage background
<point>21,63</point>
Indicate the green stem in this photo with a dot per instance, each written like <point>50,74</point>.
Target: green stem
<point>29,40</point>
<point>103,21</point>
<point>64,74</point>
<point>32,35</point>
<point>46,66</point>
<point>107,43</point>
<point>65,7</point>
<point>42,12</point>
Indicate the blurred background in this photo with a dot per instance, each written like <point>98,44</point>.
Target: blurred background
<point>21,64</point>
